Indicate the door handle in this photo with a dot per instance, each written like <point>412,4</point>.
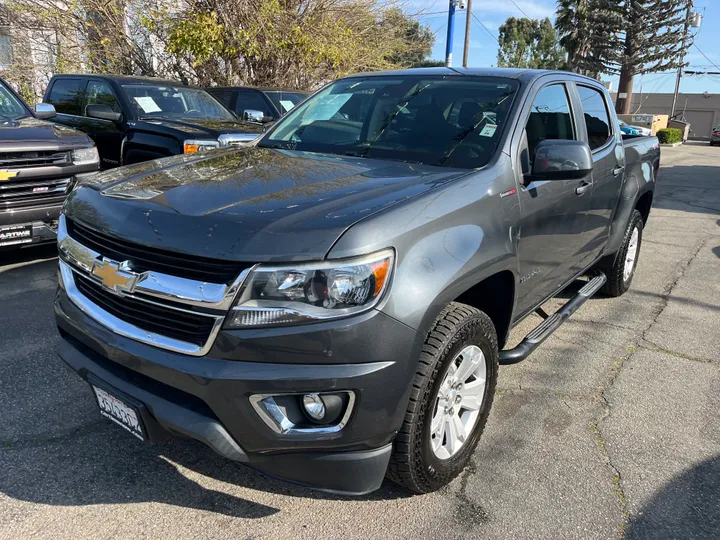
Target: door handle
<point>583,188</point>
<point>618,170</point>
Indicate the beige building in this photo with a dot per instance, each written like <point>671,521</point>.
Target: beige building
<point>701,110</point>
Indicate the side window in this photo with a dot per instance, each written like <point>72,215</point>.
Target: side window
<point>66,95</point>
<point>596,115</point>
<point>223,96</point>
<point>550,117</point>
<point>249,100</point>
<point>100,93</point>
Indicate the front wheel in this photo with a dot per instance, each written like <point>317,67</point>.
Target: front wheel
<point>450,400</point>
<point>622,271</point>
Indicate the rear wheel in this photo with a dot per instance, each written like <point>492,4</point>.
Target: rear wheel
<point>622,271</point>
<point>450,400</point>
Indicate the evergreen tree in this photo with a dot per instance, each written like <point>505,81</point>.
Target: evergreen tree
<point>622,37</point>
<point>652,38</point>
<point>588,31</point>
<point>529,43</point>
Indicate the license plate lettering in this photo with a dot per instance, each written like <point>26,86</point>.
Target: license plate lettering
<point>16,234</point>
<point>120,413</point>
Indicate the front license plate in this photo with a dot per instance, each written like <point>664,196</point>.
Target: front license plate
<point>15,234</point>
<point>119,412</point>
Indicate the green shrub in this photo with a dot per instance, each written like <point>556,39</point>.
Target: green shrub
<point>670,135</point>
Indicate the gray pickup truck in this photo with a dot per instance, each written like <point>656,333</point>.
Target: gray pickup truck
<point>330,305</point>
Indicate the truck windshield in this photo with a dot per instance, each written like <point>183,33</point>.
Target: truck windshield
<point>174,102</point>
<point>11,108</point>
<point>446,121</point>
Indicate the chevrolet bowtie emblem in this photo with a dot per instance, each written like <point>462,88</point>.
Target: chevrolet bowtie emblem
<point>7,175</point>
<point>115,276</point>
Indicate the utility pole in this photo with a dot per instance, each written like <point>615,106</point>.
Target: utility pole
<point>682,58</point>
<point>690,20</point>
<point>467,33</point>
<point>451,30</point>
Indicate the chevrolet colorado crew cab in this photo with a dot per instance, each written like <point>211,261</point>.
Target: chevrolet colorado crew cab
<point>39,163</point>
<point>134,119</point>
<point>330,305</point>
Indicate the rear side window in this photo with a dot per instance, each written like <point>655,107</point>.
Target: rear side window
<point>66,95</point>
<point>550,117</point>
<point>251,101</point>
<point>100,93</point>
<point>597,118</point>
<point>223,96</point>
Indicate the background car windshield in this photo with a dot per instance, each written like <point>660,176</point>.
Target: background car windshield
<point>448,121</point>
<point>174,102</point>
<point>10,107</point>
<point>284,101</point>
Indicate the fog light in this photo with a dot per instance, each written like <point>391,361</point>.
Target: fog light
<point>314,406</point>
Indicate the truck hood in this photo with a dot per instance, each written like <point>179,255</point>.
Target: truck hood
<point>203,127</point>
<point>251,204</point>
<point>32,130</point>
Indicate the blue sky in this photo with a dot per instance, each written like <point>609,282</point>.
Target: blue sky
<point>492,13</point>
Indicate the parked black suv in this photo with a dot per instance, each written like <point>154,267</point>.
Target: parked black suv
<point>134,119</point>
<point>259,105</point>
<point>39,163</point>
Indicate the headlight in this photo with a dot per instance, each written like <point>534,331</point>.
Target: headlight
<point>310,292</point>
<point>192,146</point>
<point>85,156</point>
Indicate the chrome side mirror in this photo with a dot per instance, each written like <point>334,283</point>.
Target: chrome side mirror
<point>45,111</point>
<point>251,115</point>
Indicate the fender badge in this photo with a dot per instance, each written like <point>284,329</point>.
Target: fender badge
<point>507,193</point>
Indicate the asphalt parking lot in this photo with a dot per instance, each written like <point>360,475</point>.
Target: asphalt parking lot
<point>610,430</point>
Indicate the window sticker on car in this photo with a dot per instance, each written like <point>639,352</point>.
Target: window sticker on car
<point>287,105</point>
<point>488,131</point>
<point>147,104</point>
<point>326,107</point>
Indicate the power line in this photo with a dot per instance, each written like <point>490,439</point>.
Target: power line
<point>485,28</point>
<point>706,58</point>
<point>520,9</point>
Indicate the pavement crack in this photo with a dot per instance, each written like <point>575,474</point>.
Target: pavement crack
<point>596,426</point>
<point>652,346</point>
<point>665,296</point>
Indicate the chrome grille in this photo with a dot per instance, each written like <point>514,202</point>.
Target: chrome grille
<point>166,311</point>
<point>181,325</point>
<point>42,158</point>
<point>26,194</point>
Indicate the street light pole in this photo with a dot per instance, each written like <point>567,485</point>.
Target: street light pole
<point>450,32</point>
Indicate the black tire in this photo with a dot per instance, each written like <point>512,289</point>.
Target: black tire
<point>413,463</point>
<point>616,284</point>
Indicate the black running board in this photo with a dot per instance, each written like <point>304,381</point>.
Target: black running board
<point>552,323</point>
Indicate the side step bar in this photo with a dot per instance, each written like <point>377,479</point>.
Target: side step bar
<point>552,323</point>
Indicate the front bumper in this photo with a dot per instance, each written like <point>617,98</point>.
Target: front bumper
<point>207,398</point>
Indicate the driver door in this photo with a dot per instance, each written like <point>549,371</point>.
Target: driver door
<point>553,212</point>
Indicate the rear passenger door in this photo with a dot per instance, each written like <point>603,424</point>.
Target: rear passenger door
<point>608,168</point>
<point>553,213</point>
<point>107,134</point>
